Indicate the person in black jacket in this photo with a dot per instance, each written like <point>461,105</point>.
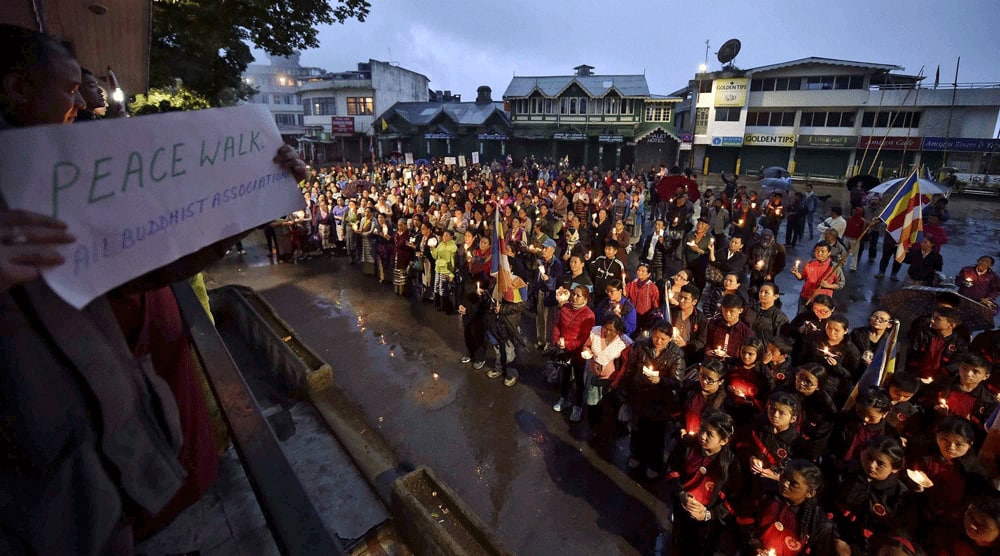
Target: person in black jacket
<point>653,375</point>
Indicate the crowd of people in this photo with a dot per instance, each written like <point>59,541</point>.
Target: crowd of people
<point>654,303</point>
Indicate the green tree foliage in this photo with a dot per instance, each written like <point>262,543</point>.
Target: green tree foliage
<point>206,43</point>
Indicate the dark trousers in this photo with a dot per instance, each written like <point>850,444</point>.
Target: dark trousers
<point>575,373</point>
<point>870,240</point>
<point>272,239</point>
<point>647,442</point>
<point>888,254</point>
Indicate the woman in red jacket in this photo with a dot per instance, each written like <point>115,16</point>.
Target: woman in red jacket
<point>570,333</point>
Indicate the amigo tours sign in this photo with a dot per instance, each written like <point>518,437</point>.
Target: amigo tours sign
<point>142,192</point>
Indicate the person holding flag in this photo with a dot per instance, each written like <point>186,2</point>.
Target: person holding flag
<point>902,217</point>
<point>509,293</point>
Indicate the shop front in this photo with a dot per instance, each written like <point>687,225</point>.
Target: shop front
<point>827,156</point>
<point>896,155</point>
<point>763,150</point>
<point>722,154</point>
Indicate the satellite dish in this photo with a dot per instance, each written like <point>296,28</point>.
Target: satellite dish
<point>729,51</point>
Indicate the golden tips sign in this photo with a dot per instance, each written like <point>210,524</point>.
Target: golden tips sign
<point>731,92</point>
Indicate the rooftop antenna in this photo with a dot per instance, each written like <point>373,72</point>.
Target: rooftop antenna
<point>706,55</point>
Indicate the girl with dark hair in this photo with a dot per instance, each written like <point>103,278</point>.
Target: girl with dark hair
<point>871,502</point>
<point>818,411</point>
<point>702,466</point>
<point>697,396</point>
<point>791,522</point>
<point>765,316</point>
<point>855,427</point>
<point>747,388</point>
<point>945,478</point>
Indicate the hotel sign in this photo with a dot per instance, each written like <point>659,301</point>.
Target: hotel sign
<point>769,139</point>
<point>829,141</point>
<point>731,92</point>
<point>570,136</point>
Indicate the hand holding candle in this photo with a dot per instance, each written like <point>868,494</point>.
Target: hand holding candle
<point>797,266</point>
<point>586,353</point>
<point>920,478</point>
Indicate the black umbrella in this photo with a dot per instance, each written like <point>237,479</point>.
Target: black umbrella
<point>774,172</point>
<point>355,187</point>
<point>913,302</point>
<point>867,182</point>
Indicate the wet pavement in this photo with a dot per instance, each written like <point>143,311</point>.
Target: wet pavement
<point>544,486</point>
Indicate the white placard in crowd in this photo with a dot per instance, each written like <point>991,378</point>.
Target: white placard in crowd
<point>141,192</point>
<point>449,160</point>
<point>461,160</point>
<point>408,158</point>
<point>475,157</point>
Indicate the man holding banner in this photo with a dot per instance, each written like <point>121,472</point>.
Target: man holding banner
<point>90,434</point>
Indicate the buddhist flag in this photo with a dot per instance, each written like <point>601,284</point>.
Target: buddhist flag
<point>902,215</point>
<point>385,126</point>
<point>881,368</point>
<point>509,287</point>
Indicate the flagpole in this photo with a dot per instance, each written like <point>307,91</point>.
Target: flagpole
<point>951,110</point>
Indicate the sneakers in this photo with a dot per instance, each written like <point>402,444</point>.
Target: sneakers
<point>466,359</point>
<point>633,463</point>
<point>510,381</point>
<point>478,365</point>
<point>560,405</point>
<point>576,415</point>
<point>894,278</point>
<point>493,373</point>
<point>879,276</point>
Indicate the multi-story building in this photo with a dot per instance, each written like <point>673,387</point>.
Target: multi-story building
<point>339,108</point>
<point>594,120</point>
<point>821,117</point>
<point>277,87</point>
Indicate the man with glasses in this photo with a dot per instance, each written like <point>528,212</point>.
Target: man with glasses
<point>868,339</point>
<point>615,304</point>
<point>932,351</point>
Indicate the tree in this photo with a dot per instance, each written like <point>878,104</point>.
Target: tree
<point>204,43</point>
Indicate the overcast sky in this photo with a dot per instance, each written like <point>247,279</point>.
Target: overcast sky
<point>461,44</point>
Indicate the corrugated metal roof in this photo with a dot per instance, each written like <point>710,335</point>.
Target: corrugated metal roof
<point>463,113</point>
<point>594,85</point>
<point>826,61</point>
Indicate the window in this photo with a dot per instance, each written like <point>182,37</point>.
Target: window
<point>611,105</point>
<point>627,106</point>
<point>705,86</point>
<point>888,118</point>
<point>583,105</point>
<point>658,113</point>
<point>320,106</point>
<point>763,118</point>
<point>564,106</point>
<point>360,106</point>
<point>821,83</point>
<point>264,99</point>
<point>776,84</point>
<point>701,121</point>
<point>277,99</point>
<point>548,106</point>
<point>284,119</point>
<point>727,114</point>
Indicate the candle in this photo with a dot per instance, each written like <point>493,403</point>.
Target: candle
<point>586,353</point>
<point>677,333</point>
<point>479,289</point>
<point>943,403</point>
<point>691,243</point>
<point>753,205</point>
<point>777,211</point>
<point>740,222</point>
<point>798,264</point>
<point>760,265</point>
<point>675,221</point>
<point>649,371</point>
<point>541,268</point>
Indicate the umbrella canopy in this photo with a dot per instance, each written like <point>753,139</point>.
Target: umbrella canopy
<point>775,172</point>
<point>770,185</point>
<point>422,162</point>
<point>912,302</point>
<point>927,187</point>
<point>867,181</point>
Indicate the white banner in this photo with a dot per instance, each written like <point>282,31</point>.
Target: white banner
<point>475,157</point>
<point>408,158</point>
<point>141,192</point>
<point>461,161</point>
<point>450,160</point>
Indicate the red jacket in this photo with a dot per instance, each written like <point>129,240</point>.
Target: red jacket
<point>574,325</point>
<point>645,297</point>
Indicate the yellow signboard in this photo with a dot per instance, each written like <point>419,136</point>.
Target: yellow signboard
<point>731,92</point>
<point>769,139</point>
